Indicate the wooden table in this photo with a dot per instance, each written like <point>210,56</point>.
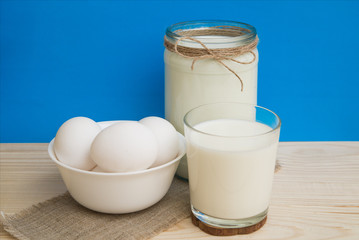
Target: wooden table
<point>315,193</point>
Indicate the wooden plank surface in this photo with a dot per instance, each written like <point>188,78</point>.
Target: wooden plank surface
<point>315,193</point>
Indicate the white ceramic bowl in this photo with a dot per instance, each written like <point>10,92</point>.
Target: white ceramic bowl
<point>119,192</point>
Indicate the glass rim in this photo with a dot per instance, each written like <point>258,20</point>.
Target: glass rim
<point>202,24</point>
<point>233,137</point>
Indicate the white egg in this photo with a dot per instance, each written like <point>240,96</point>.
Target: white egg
<point>166,136</point>
<point>106,124</point>
<point>124,147</point>
<point>73,142</point>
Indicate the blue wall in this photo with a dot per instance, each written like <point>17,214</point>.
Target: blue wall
<point>104,60</point>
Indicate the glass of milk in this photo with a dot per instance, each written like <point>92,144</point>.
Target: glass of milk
<point>231,154</point>
<point>208,81</point>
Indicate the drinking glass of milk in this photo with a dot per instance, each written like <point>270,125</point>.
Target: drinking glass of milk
<point>207,62</point>
<point>231,154</point>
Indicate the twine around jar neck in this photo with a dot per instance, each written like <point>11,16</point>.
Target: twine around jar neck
<point>218,54</point>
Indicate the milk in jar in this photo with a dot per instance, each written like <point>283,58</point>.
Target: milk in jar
<point>189,84</point>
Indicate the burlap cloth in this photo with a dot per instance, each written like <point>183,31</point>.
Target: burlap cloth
<point>63,218</point>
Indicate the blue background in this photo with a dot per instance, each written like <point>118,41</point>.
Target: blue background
<point>104,60</point>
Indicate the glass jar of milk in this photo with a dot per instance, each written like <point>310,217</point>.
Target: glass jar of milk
<point>208,62</point>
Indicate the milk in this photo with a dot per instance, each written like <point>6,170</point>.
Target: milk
<point>208,82</point>
<point>231,177</point>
